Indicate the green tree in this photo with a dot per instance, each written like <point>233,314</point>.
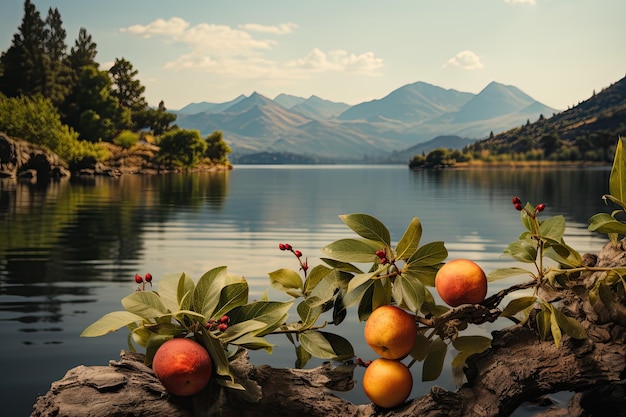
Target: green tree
<point>57,72</point>
<point>36,120</point>
<point>182,147</point>
<point>157,120</point>
<point>83,53</point>
<point>23,63</point>
<point>217,149</point>
<point>127,89</point>
<point>91,109</point>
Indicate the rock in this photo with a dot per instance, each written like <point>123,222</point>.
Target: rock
<point>22,159</point>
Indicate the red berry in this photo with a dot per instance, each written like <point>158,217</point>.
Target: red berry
<point>518,206</point>
<point>281,246</point>
<point>224,319</point>
<point>138,279</point>
<point>148,277</point>
<point>298,253</point>
<point>540,207</point>
<point>222,327</point>
<point>516,201</point>
<point>288,246</point>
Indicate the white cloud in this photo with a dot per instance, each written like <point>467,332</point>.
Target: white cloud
<point>173,27</point>
<point>531,2</point>
<point>466,60</point>
<point>337,61</point>
<point>235,52</point>
<point>282,29</point>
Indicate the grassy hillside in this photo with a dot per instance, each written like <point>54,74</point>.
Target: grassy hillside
<point>588,131</point>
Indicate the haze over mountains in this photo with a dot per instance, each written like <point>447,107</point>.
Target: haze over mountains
<point>389,129</point>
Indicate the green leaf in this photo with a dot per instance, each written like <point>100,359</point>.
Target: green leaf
<point>473,344</point>
<point>517,305</point>
<point>503,273</point>
<point>420,348</point>
<point>309,314</point>
<point>152,345</point>
<point>426,274</point>
<point>272,313</point>
<point>563,254</point>
<point>325,289</point>
<point>342,266</point>
<point>167,289</point>
<point>553,228</point>
<point>326,345</point>
<point>109,323</point>
<point>359,280</point>
<point>409,291</point>
<point>467,346</point>
<point>317,274</point>
<point>543,324</point>
<point>252,342</point>
<point>285,280</point>
<point>357,294</point>
<point>353,250</point>
<point>617,180</point>
<point>217,353</point>
<point>185,286</point>
<point>207,292</point>
<point>555,328</point>
<point>409,242</point>
<point>146,304</point>
<point>605,223</point>
<point>382,293</point>
<point>522,250</point>
<point>569,325</point>
<point>367,227</point>
<point>302,357</point>
<point>240,329</point>
<point>433,364</point>
<point>231,296</point>
<point>428,255</point>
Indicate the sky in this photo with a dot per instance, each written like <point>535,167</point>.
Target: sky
<point>557,51</point>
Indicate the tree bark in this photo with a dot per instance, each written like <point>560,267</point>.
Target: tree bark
<point>518,367</point>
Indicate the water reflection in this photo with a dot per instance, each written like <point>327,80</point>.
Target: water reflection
<point>69,251</point>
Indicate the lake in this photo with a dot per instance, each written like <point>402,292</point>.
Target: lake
<point>69,251</point>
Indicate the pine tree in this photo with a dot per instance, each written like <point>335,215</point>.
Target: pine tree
<point>126,88</point>
<point>83,53</point>
<point>58,75</point>
<point>23,64</point>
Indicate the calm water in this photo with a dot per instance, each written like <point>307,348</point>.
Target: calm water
<point>69,251</point>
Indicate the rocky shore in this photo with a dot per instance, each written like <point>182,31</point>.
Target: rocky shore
<point>21,160</point>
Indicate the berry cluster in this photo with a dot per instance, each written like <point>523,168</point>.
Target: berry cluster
<point>517,203</point>
<point>141,281</point>
<point>304,265</point>
<point>382,255</point>
<point>220,325</point>
<point>360,362</point>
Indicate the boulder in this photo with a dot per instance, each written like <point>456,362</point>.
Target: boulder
<point>22,159</point>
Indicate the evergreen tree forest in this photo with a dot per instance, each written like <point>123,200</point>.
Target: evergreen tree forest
<point>59,97</point>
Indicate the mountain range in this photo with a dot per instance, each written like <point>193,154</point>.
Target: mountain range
<point>389,129</point>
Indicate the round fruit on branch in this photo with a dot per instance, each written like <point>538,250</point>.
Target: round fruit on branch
<point>183,366</point>
<point>461,281</point>
<point>390,331</point>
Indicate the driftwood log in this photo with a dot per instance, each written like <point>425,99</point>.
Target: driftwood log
<point>518,367</point>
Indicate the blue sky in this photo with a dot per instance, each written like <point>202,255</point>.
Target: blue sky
<point>557,51</point>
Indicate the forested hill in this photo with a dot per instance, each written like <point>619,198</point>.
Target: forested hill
<point>588,131</point>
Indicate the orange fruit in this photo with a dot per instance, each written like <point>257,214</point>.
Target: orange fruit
<point>390,332</point>
<point>183,366</point>
<point>461,281</point>
<point>387,383</point>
